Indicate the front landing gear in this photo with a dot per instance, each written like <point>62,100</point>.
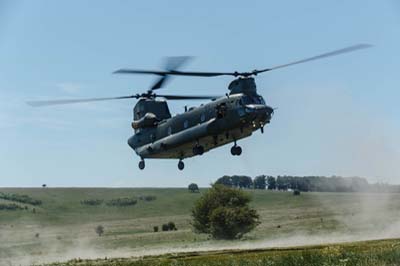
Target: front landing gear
<point>236,150</point>
<point>181,165</point>
<point>141,164</point>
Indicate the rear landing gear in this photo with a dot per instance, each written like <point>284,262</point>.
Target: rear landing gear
<point>141,164</point>
<point>181,165</point>
<point>236,150</point>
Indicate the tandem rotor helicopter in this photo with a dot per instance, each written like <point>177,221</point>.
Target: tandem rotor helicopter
<point>223,120</point>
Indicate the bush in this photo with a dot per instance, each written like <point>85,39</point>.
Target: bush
<point>171,226</point>
<point>92,202</point>
<point>122,202</point>
<point>99,230</point>
<point>296,192</point>
<point>224,213</point>
<point>10,207</point>
<point>155,229</point>
<point>165,227</point>
<point>148,197</point>
<point>193,188</point>
<point>20,198</point>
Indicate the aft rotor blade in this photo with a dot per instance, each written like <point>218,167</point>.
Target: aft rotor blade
<point>243,74</point>
<point>189,97</point>
<point>329,54</point>
<point>175,62</point>
<point>71,101</point>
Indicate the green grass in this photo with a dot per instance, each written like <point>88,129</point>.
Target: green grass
<point>67,227</point>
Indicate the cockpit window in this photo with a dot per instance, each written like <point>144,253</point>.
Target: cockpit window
<point>251,100</point>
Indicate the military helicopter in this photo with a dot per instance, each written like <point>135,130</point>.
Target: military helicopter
<point>222,120</point>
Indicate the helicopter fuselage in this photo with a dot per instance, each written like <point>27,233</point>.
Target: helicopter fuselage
<point>208,126</point>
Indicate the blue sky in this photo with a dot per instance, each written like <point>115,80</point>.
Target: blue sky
<point>338,116</point>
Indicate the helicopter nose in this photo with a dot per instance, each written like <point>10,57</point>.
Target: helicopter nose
<point>256,108</point>
<point>131,142</point>
<point>259,111</point>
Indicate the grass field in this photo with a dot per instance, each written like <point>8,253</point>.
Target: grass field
<point>62,228</point>
<point>376,252</point>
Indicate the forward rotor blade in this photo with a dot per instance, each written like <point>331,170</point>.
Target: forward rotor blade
<point>332,53</point>
<point>171,64</point>
<point>71,101</point>
<point>173,72</point>
<point>189,97</point>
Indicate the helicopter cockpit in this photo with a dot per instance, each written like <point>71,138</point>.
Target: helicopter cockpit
<point>253,99</point>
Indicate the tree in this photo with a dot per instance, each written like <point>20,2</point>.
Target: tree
<point>99,230</point>
<point>193,188</point>
<point>282,182</point>
<point>260,182</point>
<point>245,182</point>
<point>239,181</point>
<point>271,182</point>
<point>225,180</point>
<point>224,213</point>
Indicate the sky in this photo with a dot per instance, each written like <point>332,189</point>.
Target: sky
<point>337,116</point>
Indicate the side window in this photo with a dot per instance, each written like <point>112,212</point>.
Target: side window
<point>152,137</point>
<point>169,131</point>
<point>202,117</point>
<point>185,124</point>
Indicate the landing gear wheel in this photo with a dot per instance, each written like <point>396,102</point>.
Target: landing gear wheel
<point>233,150</point>
<point>141,165</point>
<point>236,150</point>
<point>181,165</point>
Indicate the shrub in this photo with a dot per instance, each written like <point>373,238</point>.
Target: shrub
<point>155,229</point>
<point>20,198</point>
<point>193,188</point>
<point>165,227</point>
<point>92,202</point>
<point>10,207</point>
<point>122,202</point>
<point>147,198</point>
<point>224,213</point>
<point>296,192</point>
<point>99,230</point>
<point>171,226</point>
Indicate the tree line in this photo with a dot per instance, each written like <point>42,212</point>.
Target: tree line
<point>306,183</point>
